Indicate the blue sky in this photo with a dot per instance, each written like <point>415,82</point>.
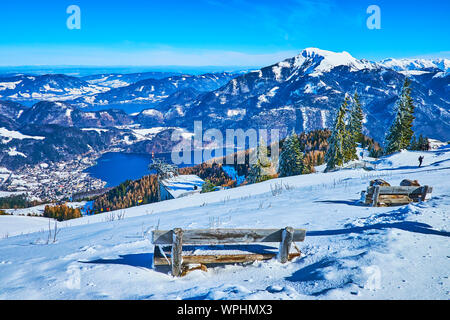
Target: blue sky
<point>213,32</point>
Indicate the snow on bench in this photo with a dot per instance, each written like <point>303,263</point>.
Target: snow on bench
<point>177,237</point>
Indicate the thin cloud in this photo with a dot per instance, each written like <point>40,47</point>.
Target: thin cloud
<point>152,57</point>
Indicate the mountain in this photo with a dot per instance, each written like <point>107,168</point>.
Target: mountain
<point>117,80</point>
<point>64,114</point>
<point>11,110</point>
<point>10,113</point>
<point>7,123</point>
<point>171,108</point>
<point>156,90</point>
<point>45,87</point>
<point>42,143</point>
<point>423,65</point>
<point>305,91</point>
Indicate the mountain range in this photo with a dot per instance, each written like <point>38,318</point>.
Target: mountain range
<point>305,91</point>
<point>301,93</point>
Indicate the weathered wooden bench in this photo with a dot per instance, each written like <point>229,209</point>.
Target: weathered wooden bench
<point>396,195</point>
<point>176,238</point>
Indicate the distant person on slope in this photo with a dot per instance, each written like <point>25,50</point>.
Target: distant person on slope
<point>420,161</point>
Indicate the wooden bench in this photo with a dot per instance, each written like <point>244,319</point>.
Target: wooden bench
<point>176,238</point>
<point>396,195</point>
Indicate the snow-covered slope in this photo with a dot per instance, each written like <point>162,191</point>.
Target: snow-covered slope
<point>416,64</point>
<point>350,251</point>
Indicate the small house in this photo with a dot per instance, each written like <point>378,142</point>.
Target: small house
<point>180,186</point>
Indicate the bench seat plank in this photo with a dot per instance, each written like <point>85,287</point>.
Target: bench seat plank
<point>226,258</point>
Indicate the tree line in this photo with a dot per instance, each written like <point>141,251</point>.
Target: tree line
<point>17,201</point>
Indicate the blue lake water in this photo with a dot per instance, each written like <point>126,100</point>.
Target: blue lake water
<point>116,167</point>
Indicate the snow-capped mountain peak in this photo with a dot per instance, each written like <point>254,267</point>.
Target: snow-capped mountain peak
<point>318,61</point>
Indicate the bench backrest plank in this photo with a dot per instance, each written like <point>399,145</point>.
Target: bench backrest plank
<point>223,236</point>
<point>401,190</point>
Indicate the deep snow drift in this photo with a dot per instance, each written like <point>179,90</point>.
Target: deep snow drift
<point>350,251</point>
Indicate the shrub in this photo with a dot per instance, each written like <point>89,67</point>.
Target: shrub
<point>3,213</point>
<point>208,186</point>
<point>61,212</point>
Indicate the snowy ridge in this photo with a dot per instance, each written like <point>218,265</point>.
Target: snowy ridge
<point>416,64</point>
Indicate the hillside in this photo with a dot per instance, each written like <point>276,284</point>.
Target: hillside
<point>350,251</point>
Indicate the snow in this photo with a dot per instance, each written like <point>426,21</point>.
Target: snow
<point>325,60</point>
<point>150,131</point>
<point>16,225</point>
<point>13,152</point>
<point>263,97</point>
<point>435,144</point>
<point>350,251</point>
<point>323,117</point>
<point>152,113</point>
<point>304,117</point>
<point>9,135</point>
<point>182,185</point>
<point>9,85</point>
<point>98,130</point>
<point>415,64</point>
<point>236,112</point>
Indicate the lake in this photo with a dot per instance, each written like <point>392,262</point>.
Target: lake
<point>116,167</point>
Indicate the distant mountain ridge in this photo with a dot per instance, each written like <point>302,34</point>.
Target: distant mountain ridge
<point>45,87</point>
<point>117,80</point>
<point>156,90</point>
<point>64,114</point>
<point>146,87</point>
<point>303,92</point>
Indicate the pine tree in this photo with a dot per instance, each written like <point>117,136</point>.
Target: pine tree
<point>394,136</point>
<point>400,133</point>
<point>354,129</point>
<point>261,164</point>
<point>335,155</point>
<point>409,113</point>
<point>414,145</point>
<point>291,157</point>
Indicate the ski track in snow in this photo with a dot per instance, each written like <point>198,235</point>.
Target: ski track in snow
<point>350,251</point>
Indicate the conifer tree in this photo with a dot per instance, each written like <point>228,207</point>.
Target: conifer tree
<point>335,155</point>
<point>261,164</point>
<point>354,129</point>
<point>394,136</point>
<point>400,133</point>
<point>291,157</point>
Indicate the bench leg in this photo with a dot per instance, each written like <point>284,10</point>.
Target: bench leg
<point>424,193</point>
<point>376,194</point>
<point>286,241</point>
<point>177,248</point>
